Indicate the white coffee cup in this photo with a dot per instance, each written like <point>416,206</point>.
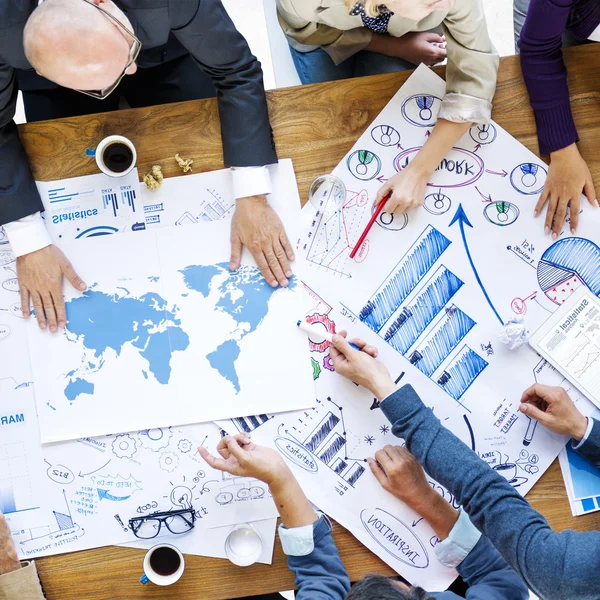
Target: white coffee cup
<point>150,573</point>
<point>243,545</point>
<point>100,156</point>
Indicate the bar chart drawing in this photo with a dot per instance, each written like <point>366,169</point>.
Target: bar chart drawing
<point>248,424</point>
<point>328,441</point>
<point>16,493</point>
<point>414,310</point>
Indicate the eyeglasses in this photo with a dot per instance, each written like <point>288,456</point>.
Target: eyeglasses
<point>176,521</point>
<point>134,52</point>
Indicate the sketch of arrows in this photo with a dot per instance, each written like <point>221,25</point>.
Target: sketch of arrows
<point>461,218</point>
<point>476,147</point>
<point>382,179</point>
<point>502,173</point>
<point>427,133</point>
<point>485,198</point>
<point>105,495</point>
<point>86,474</point>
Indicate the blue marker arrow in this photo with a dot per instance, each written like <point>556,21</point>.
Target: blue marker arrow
<point>104,495</point>
<point>462,220</point>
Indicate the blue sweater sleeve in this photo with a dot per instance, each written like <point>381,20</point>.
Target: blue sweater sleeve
<point>554,565</point>
<point>590,449</point>
<point>320,575</point>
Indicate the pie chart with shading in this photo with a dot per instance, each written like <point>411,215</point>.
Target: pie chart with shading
<point>567,265</point>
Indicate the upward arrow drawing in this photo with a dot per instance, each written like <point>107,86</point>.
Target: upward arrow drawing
<point>461,218</point>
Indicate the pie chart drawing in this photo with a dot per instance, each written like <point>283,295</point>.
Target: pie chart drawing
<point>567,265</point>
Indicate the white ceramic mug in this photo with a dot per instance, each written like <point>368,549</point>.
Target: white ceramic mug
<point>98,153</point>
<point>151,575</point>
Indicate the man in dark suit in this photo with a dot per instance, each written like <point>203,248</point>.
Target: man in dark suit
<point>89,53</point>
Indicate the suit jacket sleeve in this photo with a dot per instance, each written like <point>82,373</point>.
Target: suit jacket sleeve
<point>206,31</point>
<point>19,196</point>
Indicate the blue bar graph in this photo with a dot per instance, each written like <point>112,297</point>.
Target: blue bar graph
<point>415,318</point>
<point>7,499</point>
<point>461,373</point>
<point>323,429</point>
<point>55,195</point>
<point>128,197</point>
<point>403,279</point>
<point>451,328</point>
<point>336,443</point>
<point>110,198</point>
<point>353,475</point>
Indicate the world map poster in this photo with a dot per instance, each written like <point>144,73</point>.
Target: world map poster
<point>167,335</point>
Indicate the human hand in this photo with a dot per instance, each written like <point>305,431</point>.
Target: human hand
<point>399,473</point>
<point>256,225</point>
<point>553,408</point>
<point>426,47</point>
<point>361,366</point>
<point>40,276</point>
<point>568,175</point>
<point>407,190</point>
<point>9,560</point>
<point>241,457</point>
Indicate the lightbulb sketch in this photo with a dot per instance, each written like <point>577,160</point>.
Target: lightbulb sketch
<point>483,134</point>
<point>501,213</point>
<point>421,110</point>
<point>528,178</point>
<point>364,164</point>
<point>437,203</point>
<point>385,135</point>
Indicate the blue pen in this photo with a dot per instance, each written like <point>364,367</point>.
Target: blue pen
<point>319,332</point>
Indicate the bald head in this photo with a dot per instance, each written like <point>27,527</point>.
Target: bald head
<point>73,44</point>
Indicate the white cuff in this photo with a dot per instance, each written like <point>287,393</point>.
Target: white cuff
<point>462,539</point>
<point>588,430</point>
<point>461,108</point>
<point>298,541</point>
<point>27,234</point>
<point>250,181</point>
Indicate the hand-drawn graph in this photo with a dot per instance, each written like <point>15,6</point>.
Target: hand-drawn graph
<point>483,134</point>
<point>437,203</point>
<point>326,439</point>
<point>528,178</point>
<point>568,264</point>
<point>421,110</point>
<point>334,233</point>
<point>385,135</point>
<point>364,164</point>
<point>16,494</point>
<point>392,221</point>
<point>426,329</point>
<point>501,213</point>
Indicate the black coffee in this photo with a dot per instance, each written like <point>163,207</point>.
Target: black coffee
<point>165,561</point>
<point>117,157</point>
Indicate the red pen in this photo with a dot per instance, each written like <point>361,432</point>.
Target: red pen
<point>365,233</point>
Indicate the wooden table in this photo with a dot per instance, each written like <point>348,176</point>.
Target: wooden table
<point>314,126</point>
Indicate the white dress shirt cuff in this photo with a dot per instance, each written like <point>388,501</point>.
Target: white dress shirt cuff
<point>298,541</point>
<point>462,108</point>
<point>27,234</point>
<point>250,181</point>
<point>462,539</point>
<point>588,430</point>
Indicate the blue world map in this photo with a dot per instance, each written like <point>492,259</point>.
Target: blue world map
<point>101,321</point>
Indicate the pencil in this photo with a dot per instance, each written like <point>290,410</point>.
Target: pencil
<point>364,234</point>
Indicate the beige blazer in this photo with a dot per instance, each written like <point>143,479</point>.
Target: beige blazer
<point>472,59</point>
<point>22,584</point>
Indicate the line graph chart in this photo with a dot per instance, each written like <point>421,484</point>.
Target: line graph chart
<point>334,232</point>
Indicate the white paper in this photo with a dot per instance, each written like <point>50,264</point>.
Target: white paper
<point>211,542</point>
<point>570,340</point>
<point>582,480</point>
<point>92,205</point>
<point>430,289</point>
<point>22,499</point>
<point>167,335</point>
<point>93,486</point>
